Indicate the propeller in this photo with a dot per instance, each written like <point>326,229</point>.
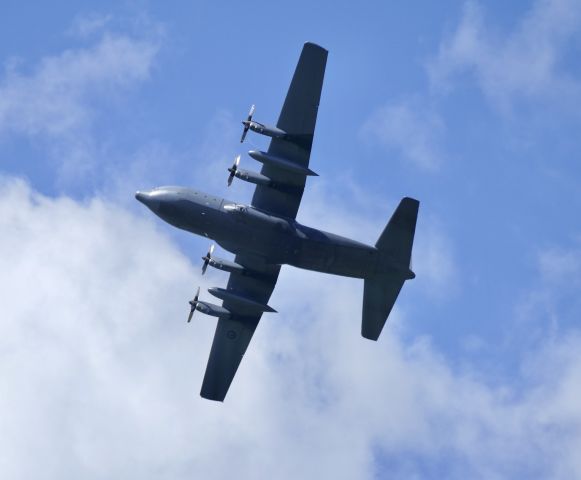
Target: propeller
<point>194,304</point>
<point>233,169</point>
<point>246,123</point>
<point>207,258</point>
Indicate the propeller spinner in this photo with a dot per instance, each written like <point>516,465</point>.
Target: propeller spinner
<point>194,304</point>
<point>233,169</point>
<point>246,123</point>
<point>207,258</point>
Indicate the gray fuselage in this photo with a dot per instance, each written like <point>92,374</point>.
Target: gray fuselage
<point>242,229</point>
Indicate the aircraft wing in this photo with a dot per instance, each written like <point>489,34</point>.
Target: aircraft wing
<point>234,334</point>
<point>297,118</point>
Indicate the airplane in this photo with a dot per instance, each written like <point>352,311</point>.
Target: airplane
<point>265,235</point>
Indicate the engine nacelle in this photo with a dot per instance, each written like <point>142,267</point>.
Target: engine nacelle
<point>253,177</point>
<point>208,308</point>
<point>242,301</point>
<point>281,163</point>
<point>226,265</point>
<point>259,179</point>
<point>266,130</point>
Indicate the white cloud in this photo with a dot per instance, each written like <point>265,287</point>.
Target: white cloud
<point>88,24</point>
<point>53,101</point>
<point>99,372</point>
<point>433,261</point>
<point>527,63</point>
<point>551,305</point>
<point>409,129</point>
<point>559,266</point>
<point>531,65</point>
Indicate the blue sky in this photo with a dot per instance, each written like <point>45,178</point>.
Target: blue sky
<point>469,107</point>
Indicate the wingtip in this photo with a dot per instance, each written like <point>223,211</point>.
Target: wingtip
<point>315,45</point>
<point>206,396</point>
<point>411,200</point>
<point>369,336</point>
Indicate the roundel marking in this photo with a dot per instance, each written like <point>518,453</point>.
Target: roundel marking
<point>231,334</point>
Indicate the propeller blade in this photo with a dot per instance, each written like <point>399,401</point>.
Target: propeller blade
<point>194,304</point>
<point>233,169</point>
<point>247,124</point>
<point>245,131</point>
<point>207,258</point>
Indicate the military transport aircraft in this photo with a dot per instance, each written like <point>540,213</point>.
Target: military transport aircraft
<point>265,235</point>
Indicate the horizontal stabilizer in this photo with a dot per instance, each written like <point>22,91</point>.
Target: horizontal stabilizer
<point>379,296</point>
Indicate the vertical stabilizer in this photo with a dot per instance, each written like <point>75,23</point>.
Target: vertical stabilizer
<point>398,236</point>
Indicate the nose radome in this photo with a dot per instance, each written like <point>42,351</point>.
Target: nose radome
<point>149,200</point>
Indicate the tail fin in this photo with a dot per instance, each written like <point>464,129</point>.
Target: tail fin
<point>398,236</point>
<point>380,291</point>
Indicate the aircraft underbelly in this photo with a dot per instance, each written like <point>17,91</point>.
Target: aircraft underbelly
<point>337,259</point>
<point>274,245</point>
<point>265,234</point>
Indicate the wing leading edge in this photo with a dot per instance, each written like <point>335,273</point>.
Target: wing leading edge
<point>297,118</point>
<point>234,334</point>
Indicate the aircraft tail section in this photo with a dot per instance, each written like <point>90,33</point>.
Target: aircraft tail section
<point>381,290</point>
<point>397,238</point>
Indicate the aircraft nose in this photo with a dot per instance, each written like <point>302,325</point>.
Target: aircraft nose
<point>141,196</point>
<point>149,200</point>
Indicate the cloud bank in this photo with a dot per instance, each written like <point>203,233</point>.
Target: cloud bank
<point>53,102</point>
<point>409,129</point>
<point>100,374</point>
<point>529,63</point>
<point>527,73</point>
